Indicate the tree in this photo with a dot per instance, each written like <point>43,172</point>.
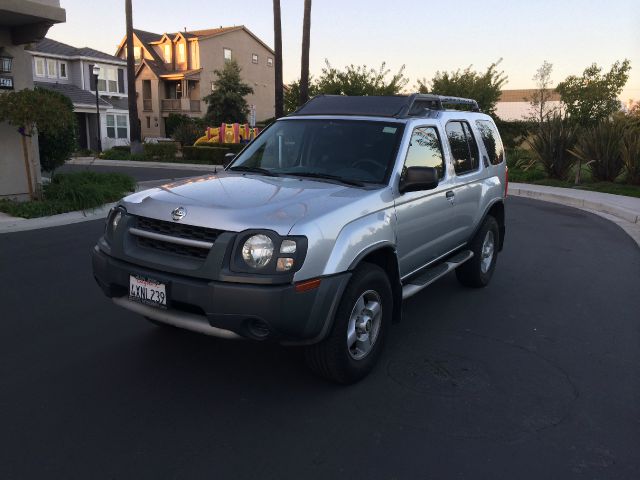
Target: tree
<point>304,69</point>
<point>485,87</point>
<point>594,95</point>
<point>292,95</point>
<point>539,101</point>
<point>277,38</point>
<point>56,146</point>
<point>32,111</point>
<point>360,80</point>
<point>134,122</point>
<point>227,103</point>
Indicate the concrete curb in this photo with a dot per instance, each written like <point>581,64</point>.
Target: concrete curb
<point>130,163</point>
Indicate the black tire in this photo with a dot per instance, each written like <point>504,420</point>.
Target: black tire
<point>472,273</point>
<point>332,358</point>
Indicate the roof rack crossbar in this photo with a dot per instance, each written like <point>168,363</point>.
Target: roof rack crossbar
<point>418,102</point>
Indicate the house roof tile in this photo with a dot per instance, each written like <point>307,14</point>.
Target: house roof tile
<point>76,94</point>
<point>53,47</point>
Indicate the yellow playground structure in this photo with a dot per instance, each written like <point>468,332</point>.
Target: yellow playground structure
<point>228,133</point>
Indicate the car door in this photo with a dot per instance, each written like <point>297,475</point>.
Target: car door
<point>467,179</point>
<point>424,218</point>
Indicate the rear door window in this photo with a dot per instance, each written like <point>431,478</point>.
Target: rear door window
<point>464,148</point>
<point>491,140</point>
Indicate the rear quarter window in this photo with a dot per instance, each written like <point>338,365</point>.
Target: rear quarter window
<point>491,140</point>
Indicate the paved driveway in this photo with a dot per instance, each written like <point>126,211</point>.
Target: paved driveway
<point>537,376</point>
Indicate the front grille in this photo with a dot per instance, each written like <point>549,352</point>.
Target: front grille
<point>177,230</point>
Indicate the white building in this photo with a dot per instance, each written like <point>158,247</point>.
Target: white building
<point>516,104</point>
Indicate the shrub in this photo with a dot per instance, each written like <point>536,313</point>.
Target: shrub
<point>231,147</point>
<point>599,147</point>
<point>520,159</point>
<point>206,155</point>
<point>187,133</point>
<point>173,121</point>
<point>630,152</point>
<point>122,148</point>
<point>163,151</point>
<point>115,154</point>
<point>551,144</point>
<point>73,191</point>
<point>514,132</point>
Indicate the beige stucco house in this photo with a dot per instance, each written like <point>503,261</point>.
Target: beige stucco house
<point>21,22</point>
<point>175,71</point>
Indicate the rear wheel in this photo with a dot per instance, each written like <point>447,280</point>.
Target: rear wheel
<point>355,342</point>
<point>478,271</point>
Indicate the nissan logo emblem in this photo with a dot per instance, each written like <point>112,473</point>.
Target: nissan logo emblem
<point>178,214</point>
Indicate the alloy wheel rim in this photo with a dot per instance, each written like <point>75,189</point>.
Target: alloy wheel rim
<point>486,255</point>
<point>364,324</point>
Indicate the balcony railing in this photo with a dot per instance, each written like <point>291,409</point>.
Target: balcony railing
<point>147,105</point>
<point>179,105</point>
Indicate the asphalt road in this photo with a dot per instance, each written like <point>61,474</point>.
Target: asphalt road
<point>140,174</point>
<point>535,377</point>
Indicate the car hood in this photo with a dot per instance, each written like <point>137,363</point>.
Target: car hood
<point>235,201</point>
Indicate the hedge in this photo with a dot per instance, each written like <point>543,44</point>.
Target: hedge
<point>206,155</point>
<point>231,147</point>
<point>164,151</point>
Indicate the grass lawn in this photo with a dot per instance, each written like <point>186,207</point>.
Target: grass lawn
<point>69,192</point>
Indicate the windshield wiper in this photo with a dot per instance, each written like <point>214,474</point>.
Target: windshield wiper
<point>264,171</point>
<point>328,176</point>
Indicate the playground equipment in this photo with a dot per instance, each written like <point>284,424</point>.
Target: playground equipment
<point>228,133</point>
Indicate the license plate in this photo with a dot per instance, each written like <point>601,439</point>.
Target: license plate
<point>147,291</point>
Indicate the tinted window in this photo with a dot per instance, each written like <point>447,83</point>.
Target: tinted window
<point>464,148</point>
<point>354,150</point>
<point>425,150</point>
<point>491,140</point>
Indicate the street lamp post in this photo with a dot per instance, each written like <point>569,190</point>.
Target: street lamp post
<point>96,73</point>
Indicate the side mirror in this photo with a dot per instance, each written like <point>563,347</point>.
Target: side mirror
<point>419,178</point>
<point>228,158</point>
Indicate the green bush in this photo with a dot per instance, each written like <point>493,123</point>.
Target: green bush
<point>600,147</point>
<point>115,154</point>
<point>231,147</point>
<point>56,147</point>
<point>551,144</point>
<point>187,133</point>
<point>630,151</point>
<point>163,151</point>
<point>173,121</point>
<point>514,132</point>
<point>73,191</point>
<point>206,155</point>
<point>122,148</point>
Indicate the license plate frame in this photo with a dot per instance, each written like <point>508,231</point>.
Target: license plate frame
<point>148,291</point>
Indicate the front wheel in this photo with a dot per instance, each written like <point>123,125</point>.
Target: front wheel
<point>478,271</point>
<point>356,339</point>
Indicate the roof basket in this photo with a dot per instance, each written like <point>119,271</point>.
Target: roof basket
<point>397,106</point>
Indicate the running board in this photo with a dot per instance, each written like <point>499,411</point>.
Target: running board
<point>432,274</point>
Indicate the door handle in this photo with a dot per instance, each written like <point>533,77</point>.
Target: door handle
<point>450,194</point>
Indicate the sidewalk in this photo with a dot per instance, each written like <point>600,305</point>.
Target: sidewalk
<point>624,211</point>
<point>130,163</point>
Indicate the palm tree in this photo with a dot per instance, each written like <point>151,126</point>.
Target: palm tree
<point>304,71</point>
<point>277,34</point>
<point>134,123</point>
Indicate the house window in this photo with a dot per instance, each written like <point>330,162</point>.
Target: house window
<point>137,54</point>
<point>63,69</point>
<point>51,68</point>
<point>227,54</point>
<point>181,53</point>
<point>117,126</point>
<point>254,58</point>
<point>167,53</point>
<point>148,122</point>
<point>269,62</point>
<point>39,67</point>
<point>194,55</point>
<point>108,79</point>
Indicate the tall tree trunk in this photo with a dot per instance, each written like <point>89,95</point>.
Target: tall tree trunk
<point>134,122</point>
<point>304,70</point>
<point>277,38</point>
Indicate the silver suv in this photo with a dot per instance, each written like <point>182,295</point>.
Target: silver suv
<point>315,233</point>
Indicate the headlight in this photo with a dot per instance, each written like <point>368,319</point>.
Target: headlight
<point>257,251</point>
<point>115,219</point>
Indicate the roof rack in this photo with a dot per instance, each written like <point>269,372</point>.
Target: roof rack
<point>396,106</point>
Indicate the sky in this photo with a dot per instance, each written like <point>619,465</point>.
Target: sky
<point>423,35</point>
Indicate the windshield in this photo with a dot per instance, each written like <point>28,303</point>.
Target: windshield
<point>355,151</point>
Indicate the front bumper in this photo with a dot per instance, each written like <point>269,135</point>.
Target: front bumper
<point>259,312</point>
